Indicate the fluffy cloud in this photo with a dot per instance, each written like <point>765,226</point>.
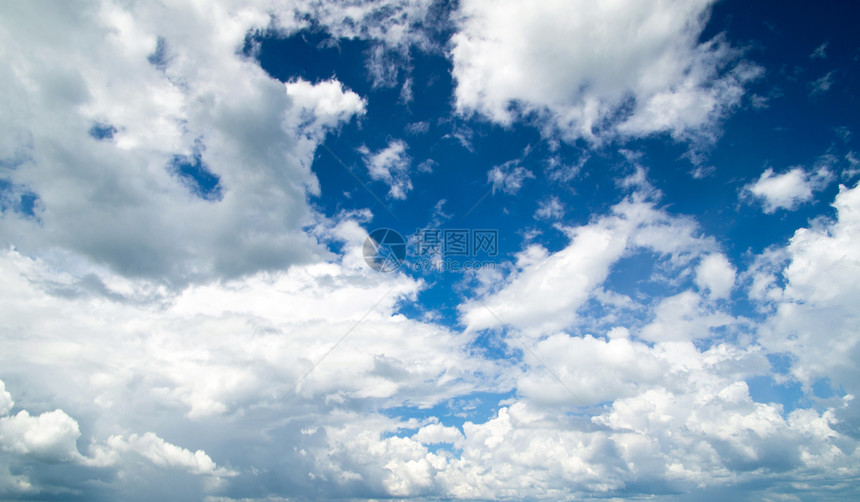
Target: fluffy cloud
<point>244,353</point>
<point>651,406</point>
<point>815,315</point>
<point>716,275</point>
<point>6,402</point>
<point>159,155</point>
<point>49,437</point>
<point>683,317</point>
<point>391,166</point>
<point>178,324</point>
<point>787,190</point>
<point>545,290</point>
<point>630,68</point>
<point>236,335</point>
<point>324,105</point>
<point>705,433</point>
<point>163,454</point>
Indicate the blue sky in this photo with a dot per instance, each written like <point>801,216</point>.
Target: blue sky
<point>664,306</point>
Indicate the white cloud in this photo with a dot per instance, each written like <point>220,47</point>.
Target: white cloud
<point>550,209</point>
<point>820,52</point>
<point>392,26</point>
<point>326,103</point>
<point>557,170</point>
<point>545,291</point>
<point>544,294</point>
<point>716,275</point>
<point>121,202</point>
<point>420,127</point>
<point>683,317</point>
<point>438,433</point>
<point>634,68</point>
<point>823,84</point>
<point>593,370</point>
<point>6,402</point>
<point>52,437</point>
<point>204,331</point>
<point>391,166</point>
<point>49,437</point>
<point>163,454</point>
<point>216,362</point>
<point>815,307</point>
<point>508,177</point>
<point>702,432</point>
<point>398,24</point>
<point>669,412</point>
<point>219,352</point>
<point>787,190</point>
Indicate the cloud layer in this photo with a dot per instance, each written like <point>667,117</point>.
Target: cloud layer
<point>180,315</point>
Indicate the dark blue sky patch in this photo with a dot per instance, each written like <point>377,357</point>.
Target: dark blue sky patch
<point>27,204</point>
<point>159,58</point>
<point>312,55</point>
<point>17,199</point>
<point>102,131</point>
<point>195,174</point>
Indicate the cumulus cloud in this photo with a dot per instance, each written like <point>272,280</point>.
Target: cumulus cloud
<point>49,437</point>
<point>716,275</point>
<point>184,118</point>
<point>815,307</point>
<point>683,317</point>
<point>391,166</point>
<point>682,435</point>
<point>325,104</point>
<point>6,402</point>
<point>630,68</point>
<point>216,353</point>
<point>163,454</point>
<point>787,190</point>
<point>661,409</point>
